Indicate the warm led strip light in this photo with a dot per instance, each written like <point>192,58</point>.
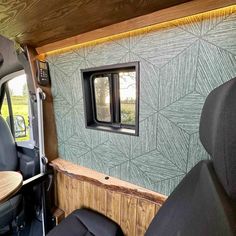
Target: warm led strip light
<point>184,20</point>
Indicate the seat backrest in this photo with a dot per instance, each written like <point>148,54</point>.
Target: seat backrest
<point>204,203</point>
<point>8,153</point>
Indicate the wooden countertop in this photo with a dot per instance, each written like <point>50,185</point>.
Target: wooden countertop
<point>10,183</point>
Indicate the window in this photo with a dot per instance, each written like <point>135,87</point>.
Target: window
<point>111,98</point>
<point>15,107</point>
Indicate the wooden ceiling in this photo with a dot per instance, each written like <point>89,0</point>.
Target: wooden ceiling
<point>40,22</point>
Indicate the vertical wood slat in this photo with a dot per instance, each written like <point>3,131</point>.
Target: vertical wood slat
<point>99,200</point>
<point>128,214</point>
<point>113,206</point>
<point>132,213</point>
<point>78,194</point>
<point>145,213</point>
<point>66,194</point>
<point>88,200</point>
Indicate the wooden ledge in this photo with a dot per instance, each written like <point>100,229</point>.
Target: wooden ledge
<point>107,182</point>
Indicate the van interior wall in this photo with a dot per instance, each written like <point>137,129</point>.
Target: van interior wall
<point>180,65</point>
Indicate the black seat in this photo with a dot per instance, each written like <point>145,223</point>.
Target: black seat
<point>8,153</point>
<point>88,223</point>
<point>8,162</point>
<point>204,203</point>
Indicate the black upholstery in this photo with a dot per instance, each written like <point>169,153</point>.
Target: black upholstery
<point>9,210</point>
<point>8,153</point>
<point>8,60</point>
<point>204,202</point>
<point>198,206</point>
<point>86,222</point>
<point>8,161</point>
<point>218,133</point>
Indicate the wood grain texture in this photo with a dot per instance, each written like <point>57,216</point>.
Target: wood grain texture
<point>78,187</point>
<point>50,133</point>
<point>128,214</point>
<point>58,214</point>
<point>10,183</point>
<point>175,12</point>
<point>98,179</point>
<point>39,22</point>
<point>145,214</point>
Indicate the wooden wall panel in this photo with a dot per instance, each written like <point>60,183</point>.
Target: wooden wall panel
<point>145,214</point>
<point>128,213</point>
<point>50,133</point>
<point>131,210</point>
<point>113,208</point>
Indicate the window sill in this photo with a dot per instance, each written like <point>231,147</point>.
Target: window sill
<point>113,129</point>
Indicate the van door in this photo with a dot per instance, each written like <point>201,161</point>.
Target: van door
<point>16,111</point>
<point>15,107</point>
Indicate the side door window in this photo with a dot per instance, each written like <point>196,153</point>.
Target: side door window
<point>15,108</point>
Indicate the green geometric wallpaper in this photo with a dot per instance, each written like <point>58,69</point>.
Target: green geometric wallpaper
<point>180,65</point>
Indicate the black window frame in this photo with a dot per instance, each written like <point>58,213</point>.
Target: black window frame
<point>115,125</point>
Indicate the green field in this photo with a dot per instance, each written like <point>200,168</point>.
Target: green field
<point>128,113</point>
<point>19,107</point>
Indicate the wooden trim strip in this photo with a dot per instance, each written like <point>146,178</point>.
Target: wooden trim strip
<point>169,14</point>
<point>107,182</point>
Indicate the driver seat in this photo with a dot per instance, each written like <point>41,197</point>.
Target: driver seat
<point>11,209</point>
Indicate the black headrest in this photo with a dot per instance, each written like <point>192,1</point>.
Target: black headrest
<point>9,62</point>
<point>218,133</point>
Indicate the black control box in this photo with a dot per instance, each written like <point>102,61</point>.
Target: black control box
<point>42,73</point>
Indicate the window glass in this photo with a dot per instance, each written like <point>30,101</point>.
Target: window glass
<point>20,107</point>
<point>127,97</point>
<point>102,98</point>
<point>111,98</point>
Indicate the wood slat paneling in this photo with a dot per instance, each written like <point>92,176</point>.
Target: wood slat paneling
<point>145,213</point>
<point>131,210</point>
<point>113,208</point>
<point>128,213</point>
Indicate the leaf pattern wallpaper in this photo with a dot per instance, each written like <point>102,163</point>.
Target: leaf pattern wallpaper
<point>180,65</point>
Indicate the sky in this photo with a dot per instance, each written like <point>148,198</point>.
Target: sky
<point>127,85</point>
<point>16,85</point>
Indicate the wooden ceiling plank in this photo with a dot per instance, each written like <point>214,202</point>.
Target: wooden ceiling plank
<point>40,22</point>
<point>172,13</point>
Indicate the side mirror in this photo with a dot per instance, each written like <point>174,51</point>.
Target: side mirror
<point>19,126</point>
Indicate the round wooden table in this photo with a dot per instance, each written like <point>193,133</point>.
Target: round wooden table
<point>10,183</point>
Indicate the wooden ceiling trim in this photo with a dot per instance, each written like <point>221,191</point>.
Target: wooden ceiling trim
<point>39,22</point>
<point>166,15</point>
